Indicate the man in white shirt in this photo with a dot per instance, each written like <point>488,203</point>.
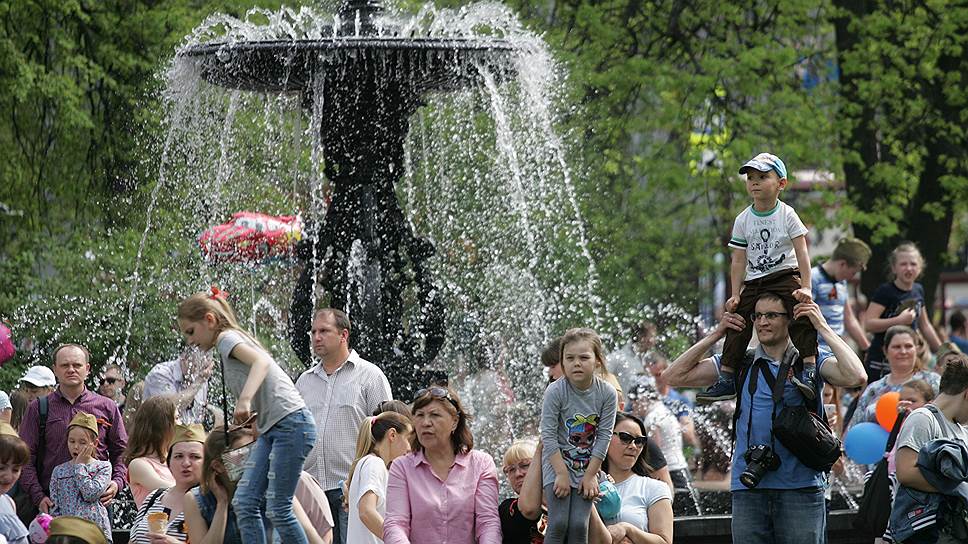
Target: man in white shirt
<point>340,390</point>
<point>185,377</point>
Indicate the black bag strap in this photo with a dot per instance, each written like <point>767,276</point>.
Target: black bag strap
<point>225,402</point>
<point>892,438</point>
<point>751,366</point>
<point>942,421</point>
<point>150,500</point>
<point>43,407</point>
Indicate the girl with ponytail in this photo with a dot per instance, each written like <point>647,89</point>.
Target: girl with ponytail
<point>265,394</point>
<point>382,439</point>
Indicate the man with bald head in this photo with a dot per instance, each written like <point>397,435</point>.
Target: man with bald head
<point>71,365</point>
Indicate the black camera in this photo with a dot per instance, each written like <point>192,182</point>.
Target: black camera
<point>759,459</point>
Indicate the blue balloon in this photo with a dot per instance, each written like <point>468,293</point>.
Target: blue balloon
<point>611,502</point>
<point>865,443</point>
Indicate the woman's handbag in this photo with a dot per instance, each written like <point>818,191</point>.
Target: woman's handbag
<point>233,459</point>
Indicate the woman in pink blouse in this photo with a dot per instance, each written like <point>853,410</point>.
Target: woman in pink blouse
<point>444,491</point>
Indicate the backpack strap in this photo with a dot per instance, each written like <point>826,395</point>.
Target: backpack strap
<point>940,417</point>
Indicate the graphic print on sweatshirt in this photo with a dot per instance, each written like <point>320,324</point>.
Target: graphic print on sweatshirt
<point>581,435</point>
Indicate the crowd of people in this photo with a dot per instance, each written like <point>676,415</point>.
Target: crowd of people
<point>331,457</point>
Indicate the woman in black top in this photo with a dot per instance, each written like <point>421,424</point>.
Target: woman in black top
<point>900,301</point>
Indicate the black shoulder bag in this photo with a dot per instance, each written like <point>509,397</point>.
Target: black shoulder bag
<point>800,428</point>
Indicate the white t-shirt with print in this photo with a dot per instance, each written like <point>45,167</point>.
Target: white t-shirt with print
<point>370,475</point>
<point>767,238</point>
<point>638,494</point>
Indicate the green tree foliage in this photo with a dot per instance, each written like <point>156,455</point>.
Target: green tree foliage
<point>78,92</point>
<point>673,96</point>
<point>903,115</point>
<point>662,103</point>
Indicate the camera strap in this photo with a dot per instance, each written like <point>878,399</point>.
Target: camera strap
<point>775,383</point>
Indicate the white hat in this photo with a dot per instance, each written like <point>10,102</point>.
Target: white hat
<point>4,401</point>
<point>39,376</point>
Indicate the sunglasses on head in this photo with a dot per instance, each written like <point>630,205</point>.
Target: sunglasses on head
<point>627,439</point>
<point>436,392</point>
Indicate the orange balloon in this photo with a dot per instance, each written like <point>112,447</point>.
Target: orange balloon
<point>887,409</point>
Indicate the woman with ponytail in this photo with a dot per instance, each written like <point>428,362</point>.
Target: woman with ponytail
<point>266,394</point>
<point>382,439</point>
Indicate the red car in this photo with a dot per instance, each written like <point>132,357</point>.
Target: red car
<point>251,236</point>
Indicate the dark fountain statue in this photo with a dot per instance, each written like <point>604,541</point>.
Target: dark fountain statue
<point>363,83</point>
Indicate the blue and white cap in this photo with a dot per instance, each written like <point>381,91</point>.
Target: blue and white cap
<point>764,162</point>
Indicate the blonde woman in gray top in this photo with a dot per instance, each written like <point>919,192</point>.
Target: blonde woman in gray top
<point>264,392</point>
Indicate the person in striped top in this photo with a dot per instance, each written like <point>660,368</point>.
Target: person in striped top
<point>185,463</point>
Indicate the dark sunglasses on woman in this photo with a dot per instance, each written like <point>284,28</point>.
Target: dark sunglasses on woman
<point>627,439</point>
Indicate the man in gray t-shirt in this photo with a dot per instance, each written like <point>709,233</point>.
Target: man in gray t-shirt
<point>922,427</point>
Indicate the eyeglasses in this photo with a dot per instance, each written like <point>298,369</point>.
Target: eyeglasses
<point>770,316</point>
<point>522,466</point>
<point>111,381</point>
<point>626,438</point>
<point>437,393</point>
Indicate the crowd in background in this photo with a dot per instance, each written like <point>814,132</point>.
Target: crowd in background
<point>363,467</point>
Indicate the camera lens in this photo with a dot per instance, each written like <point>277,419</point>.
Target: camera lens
<point>759,460</point>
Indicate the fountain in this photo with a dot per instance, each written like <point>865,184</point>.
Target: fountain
<point>394,192</point>
<point>366,85</point>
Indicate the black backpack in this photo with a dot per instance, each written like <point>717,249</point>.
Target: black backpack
<point>874,511</point>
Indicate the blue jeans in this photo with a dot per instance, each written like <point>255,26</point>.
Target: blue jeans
<point>271,473</point>
<point>340,516</point>
<point>779,516</point>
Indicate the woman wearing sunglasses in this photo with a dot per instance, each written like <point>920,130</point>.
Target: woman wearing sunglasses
<point>524,518</point>
<point>444,491</point>
<point>646,503</point>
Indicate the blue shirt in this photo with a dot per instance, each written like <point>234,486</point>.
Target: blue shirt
<point>831,296</point>
<point>960,342</point>
<point>677,403</point>
<point>792,474</point>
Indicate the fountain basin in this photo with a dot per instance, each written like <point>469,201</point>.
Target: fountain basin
<point>717,530</point>
<point>422,64</point>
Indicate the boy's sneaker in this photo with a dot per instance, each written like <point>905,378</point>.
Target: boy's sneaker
<point>807,383</point>
<point>723,389</point>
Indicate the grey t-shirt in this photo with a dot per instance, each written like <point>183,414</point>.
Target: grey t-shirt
<point>276,398</point>
<point>578,424</point>
<point>921,427</point>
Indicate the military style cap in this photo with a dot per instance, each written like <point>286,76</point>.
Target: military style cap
<point>86,421</point>
<point>188,433</point>
<point>7,429</point>
<point>77,528</point>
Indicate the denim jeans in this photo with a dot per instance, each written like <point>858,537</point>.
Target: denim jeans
<point>779,516</point>
<point>340,516</point>
<point>271,473</point>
